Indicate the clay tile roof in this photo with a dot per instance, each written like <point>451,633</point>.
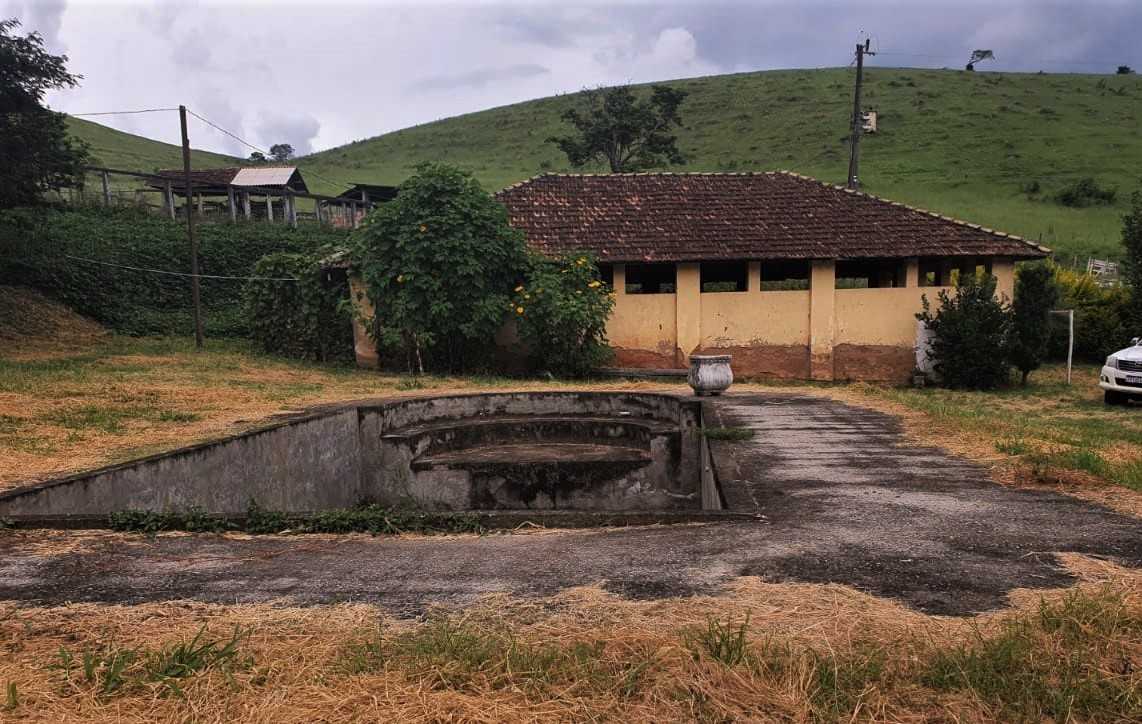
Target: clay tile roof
<point>709,216</point>
<point>202,177</point>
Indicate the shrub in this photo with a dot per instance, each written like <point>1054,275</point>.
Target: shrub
<point>1102,316</point>
<point>1036,294</point>
<point>441,261</point>
<point>970,330</point>
<point>302,319</point>
<point>1085,192</point>
<point>562,314</point>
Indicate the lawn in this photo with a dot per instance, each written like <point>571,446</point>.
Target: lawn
<point>758,652</point>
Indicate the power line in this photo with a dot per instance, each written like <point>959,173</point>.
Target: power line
<point>262,151</point>
<point>122,113</point>
<point>179,274</point>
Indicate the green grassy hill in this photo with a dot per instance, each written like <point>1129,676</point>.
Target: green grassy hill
<point>964,144</point>
<point>119,150</point>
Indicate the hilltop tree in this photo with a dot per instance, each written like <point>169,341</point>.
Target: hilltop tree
<point>37,153</point>
<point>612,124</point>
<point>281,152</point>
<point>977,56</point>
<point>1124,70</point>
<point>257,158</point>
<point>1036,293</point>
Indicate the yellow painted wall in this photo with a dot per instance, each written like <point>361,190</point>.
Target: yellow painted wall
<point>641,321</point>
<point>880,316</point>
<point>736,319</point>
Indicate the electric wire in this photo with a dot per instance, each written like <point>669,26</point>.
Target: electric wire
<point>179,274</point>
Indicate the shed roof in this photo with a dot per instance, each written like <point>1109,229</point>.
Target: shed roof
<point>710,216</point>
<point>246,176</point>
<point>264,176</point>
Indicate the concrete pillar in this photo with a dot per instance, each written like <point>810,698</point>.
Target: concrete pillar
<point>753,281</point>
<point>822,318</point>
<point>619,279</point>
<point>912,273</point>
<point>944,278</point>
<point>1004,272</point>
<point>364,348</point>
<point>687,311</point>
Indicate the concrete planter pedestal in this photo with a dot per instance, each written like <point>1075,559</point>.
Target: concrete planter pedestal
<point>710,374</point>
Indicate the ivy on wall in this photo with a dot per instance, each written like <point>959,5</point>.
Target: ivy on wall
<point>56,250</point>
<point>304,319</point>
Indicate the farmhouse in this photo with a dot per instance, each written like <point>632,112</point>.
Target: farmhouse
<point>794,277</point>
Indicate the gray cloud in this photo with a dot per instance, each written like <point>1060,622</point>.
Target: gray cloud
<point>298,131</point>
<point>479,78</point>
<point>43,16</point>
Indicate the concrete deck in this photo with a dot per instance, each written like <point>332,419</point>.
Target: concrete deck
<point>838,493</point>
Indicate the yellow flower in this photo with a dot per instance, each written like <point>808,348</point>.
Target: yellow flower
<point>519,288</point>
<point>595,284</point>
<point>519,310</point>
<point>400,279</point>
<point>423,228</point>
<point>527,296</point>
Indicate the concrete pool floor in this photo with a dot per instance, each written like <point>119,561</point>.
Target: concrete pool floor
<point>838,493</point>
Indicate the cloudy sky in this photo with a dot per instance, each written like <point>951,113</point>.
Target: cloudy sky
<point>325,72</point>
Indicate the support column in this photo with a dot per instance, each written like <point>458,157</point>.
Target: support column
<point>912,273</point>
<point>687,311</point>
<point>1004,272</point>
<point>822,324</point>
<point>269,208</point>
<point>168,199</point>
<point>364,348</point>
<point>753,281</point>
<point>246,210</point>
<point>231,203</point>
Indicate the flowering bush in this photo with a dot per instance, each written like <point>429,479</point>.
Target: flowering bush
<point>439,262</point>
<point>562,313</point>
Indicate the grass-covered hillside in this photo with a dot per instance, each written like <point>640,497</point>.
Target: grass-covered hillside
<point>972,145</point>
<point>129,152</point>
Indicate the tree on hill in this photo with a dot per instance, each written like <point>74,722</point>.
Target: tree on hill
<point>1124,70</point>
<point>37,153</point>
<point>977,56</point>
<point>257,158</point>
<point>1036,293</point>
<point>612,124</point>
<point>281,152</point>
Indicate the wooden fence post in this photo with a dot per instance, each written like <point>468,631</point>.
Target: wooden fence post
<point>246,205</point>
<point>231,203</point>
<point>269,208</point>
<point>353,214</point>
<point>201,209</point>
<point>291,204</point>
<point>168,197</point>
<point>106,189</point>
<point>317,210</point>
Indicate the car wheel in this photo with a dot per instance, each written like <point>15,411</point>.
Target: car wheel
<point>1111,397</point>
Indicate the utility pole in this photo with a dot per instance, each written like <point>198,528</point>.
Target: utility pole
<point>858,121</point>
<point>195,297</point>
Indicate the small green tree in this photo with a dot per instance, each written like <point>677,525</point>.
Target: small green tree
<point>562,314</point>
<point>37,153</point>
<point>1036,294</point>
<point>969,334</point>
<point>612,124</point>
<point>1132,241</point>
<point>439,263</point>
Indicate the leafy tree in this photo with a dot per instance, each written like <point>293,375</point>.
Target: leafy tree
<point>562,314</point>
<point>439,263</point>
<point>301,319</point>
<point>257,158</point>
<point>1124,70</point>
<point>630,134</point>
<point>281,152</point>
<point>1036,294</point>
<point>37,153</point>
<point>970,330</point>
<point>1132,241</point>
<point>977,56</point>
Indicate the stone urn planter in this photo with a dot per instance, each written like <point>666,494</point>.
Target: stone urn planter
<point>710,374</point>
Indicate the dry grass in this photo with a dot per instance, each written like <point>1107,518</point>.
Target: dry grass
<point>814,652</point>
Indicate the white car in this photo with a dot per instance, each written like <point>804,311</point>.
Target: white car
<point>1121,376</point>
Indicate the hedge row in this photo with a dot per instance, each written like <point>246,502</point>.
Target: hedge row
<point>54,250</point>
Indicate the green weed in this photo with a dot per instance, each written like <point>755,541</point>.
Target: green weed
<point>721,642</point>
